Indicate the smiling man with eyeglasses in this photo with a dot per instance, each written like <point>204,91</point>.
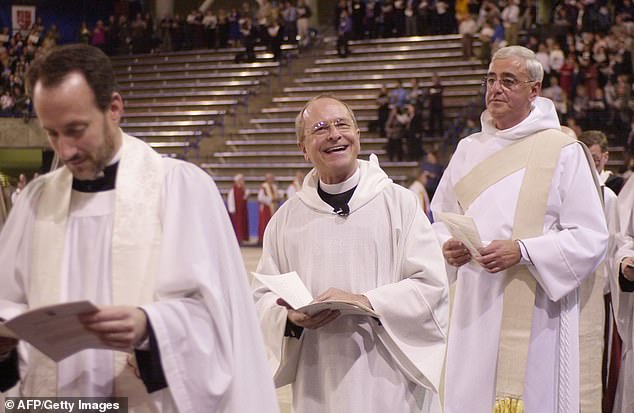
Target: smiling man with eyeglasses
<point>529,189</point>
<point>352,234</point>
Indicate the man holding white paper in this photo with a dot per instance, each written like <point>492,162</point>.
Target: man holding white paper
<point>530,191</point>
<point>353,235</point>
<point>148,240</point>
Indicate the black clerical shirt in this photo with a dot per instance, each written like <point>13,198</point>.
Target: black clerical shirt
<point>103,183</point>
<point>339,202</point>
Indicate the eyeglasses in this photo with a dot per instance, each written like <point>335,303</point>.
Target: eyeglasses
<point>322,128</point>
<point>507,83</point>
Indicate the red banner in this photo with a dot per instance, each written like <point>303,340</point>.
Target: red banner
<point>22,18</point>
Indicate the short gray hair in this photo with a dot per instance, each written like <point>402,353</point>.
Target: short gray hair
<point>533,66</point>
<point>300,127</point>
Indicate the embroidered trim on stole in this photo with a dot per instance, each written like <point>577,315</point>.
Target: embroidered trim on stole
<point>538,154</point>
<point>136,244</point>
<point>591,317</point>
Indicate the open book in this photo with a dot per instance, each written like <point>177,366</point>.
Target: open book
<point>292,290</point>
<point>462,228</point>
<point>54,330</point>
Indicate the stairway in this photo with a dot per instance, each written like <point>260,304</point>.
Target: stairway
<point>239,118</point>
<point>265,140</point>
<point>176,101</point>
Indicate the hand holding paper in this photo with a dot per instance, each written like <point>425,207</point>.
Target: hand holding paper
<point>463,228</point>
<point>455,252</point>
<point>119,327</point>
<point>291,288</point>
<point>309,321</point>
<point>54,330</point>
<point>288,286</point>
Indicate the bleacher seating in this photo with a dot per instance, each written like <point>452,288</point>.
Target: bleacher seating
<point>268,144</point>
<point>173,100</point>
<point>176,100</point>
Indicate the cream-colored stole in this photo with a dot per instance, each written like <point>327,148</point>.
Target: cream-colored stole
<point>538,155</point>
<point>424,200</point>
<point>271,191</point>
<point>136,243</point>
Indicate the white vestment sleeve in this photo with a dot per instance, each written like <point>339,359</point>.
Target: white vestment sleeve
<point>623,304</point>
<point>272,316</point>
<point>623,301</point>
<point>415,310</point>
<point>566,253</point>
<point>14,257</point>
<point>444,200</point>
<point>614,228</point>
<point>204,321</point>
<point>264,198</point>
<point>231,201</point>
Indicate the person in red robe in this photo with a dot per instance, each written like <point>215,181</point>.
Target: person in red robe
<point>237,206</point>
<point>268,200</point>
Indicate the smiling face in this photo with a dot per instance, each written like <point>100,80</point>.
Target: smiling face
<point>330,140</point>
<point>84,137</point>
<point>509,106</point>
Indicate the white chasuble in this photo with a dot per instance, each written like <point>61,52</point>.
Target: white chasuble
<point>384,249</point>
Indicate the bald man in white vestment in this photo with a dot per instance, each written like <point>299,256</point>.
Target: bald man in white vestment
<point>529,188</point>
<point>145,238</point>
<point>352,234</point>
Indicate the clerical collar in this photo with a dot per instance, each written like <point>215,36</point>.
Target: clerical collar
<point>341,187</point>
<point>105,182</point>
<point>338,195</point>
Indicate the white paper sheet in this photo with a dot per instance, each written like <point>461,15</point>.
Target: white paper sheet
<point>54,330</point>
<point>291,288</point>
<point>288,286</point>
<point>463,228</point>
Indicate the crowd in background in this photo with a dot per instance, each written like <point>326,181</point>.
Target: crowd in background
<point>586,51</point>
<point>410,113</point>
<point>282,22</point>
<point>269,25</point>
<point>373,19</point>
<point>17,50</point>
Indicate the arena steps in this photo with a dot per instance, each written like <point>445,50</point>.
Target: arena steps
<point>268,144</point>
<point>239,117</point>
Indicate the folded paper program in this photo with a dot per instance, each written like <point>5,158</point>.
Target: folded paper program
<point>464,229</point>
